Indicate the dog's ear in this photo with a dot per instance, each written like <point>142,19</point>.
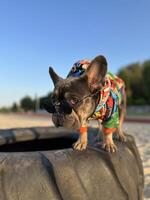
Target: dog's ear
<point>96,71</point>
<point>55,78</point>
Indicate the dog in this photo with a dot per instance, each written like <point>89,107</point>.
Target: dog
<point>89,92</point>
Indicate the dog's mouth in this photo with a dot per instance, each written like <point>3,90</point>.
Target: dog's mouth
<point>69,121</point>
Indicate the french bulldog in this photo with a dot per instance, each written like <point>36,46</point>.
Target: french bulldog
<point>93,94</point>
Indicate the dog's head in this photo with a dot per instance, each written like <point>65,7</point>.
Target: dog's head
<point>73,99</point>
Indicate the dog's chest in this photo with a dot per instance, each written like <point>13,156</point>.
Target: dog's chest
<point>105,111</point>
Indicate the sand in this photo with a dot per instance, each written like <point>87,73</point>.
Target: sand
<point>20,121</point>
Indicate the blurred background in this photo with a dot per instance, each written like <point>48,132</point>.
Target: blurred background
<point>37,34</point>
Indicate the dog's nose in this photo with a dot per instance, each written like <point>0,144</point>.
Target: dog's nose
<point>57,103</point>
<point>57,106</point>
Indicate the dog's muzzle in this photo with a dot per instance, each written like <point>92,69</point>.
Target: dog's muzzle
<point>65,116</point>
<point>63,113</point>
<point>60,109</point>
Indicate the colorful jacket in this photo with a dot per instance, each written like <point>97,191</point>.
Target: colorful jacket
<point>110,96</point>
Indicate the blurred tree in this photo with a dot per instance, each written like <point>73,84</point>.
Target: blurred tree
<point>132,75</point>
<point>14,107</point>
<point>135,72</point>
<point>27,104</point>
<point>146,80</point>
<point>4,110</point>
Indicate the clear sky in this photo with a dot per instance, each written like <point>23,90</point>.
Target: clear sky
<point>36,34</point>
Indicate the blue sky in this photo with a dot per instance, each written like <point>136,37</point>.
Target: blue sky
<point>36,34</point>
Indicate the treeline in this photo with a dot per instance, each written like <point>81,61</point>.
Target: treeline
<point>27,104</point>
<point>137,80</point>
<point>136,77</point>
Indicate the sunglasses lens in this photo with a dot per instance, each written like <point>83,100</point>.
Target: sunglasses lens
<point>65,107</point>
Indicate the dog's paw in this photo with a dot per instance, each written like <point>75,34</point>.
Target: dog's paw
<point>79,145</point>
<point>122,138</point>
<point>109,147</point>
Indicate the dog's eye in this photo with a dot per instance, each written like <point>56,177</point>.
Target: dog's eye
<point>74,100</point>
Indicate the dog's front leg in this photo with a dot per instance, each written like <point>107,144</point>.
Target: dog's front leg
<point>108,143</point>
<point>81,143</point>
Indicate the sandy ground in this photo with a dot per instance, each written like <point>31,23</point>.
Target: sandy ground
<point>13,121</point>
<point>141,132</point>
